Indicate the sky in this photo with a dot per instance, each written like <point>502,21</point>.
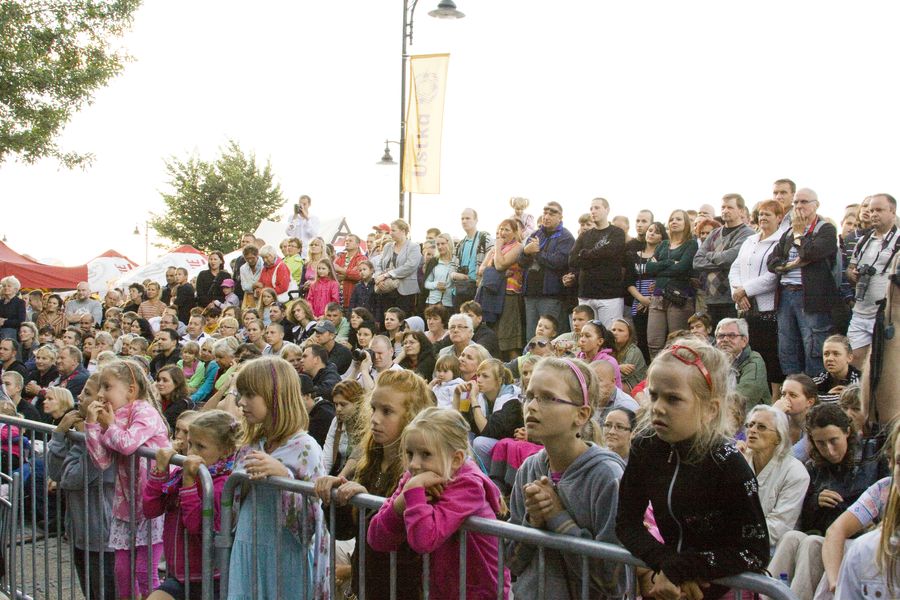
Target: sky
<point>655,105</point>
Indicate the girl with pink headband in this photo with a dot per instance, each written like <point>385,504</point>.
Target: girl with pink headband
<point>570,487</point>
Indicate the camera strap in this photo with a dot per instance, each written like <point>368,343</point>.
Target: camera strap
<point>861,250</point>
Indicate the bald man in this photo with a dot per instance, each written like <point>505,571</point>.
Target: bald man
<point>82,303</point>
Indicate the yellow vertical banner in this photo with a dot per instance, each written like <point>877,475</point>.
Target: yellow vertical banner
<point>424,123</point>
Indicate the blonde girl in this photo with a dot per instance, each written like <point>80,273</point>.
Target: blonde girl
<point>490,404</point>
<point>679,453</point>
<point>213,441</point>
<point>316,253</point>
<point>182,429</point>
<point>351,416</point>
<point>397,398</point>
<point>442,487</point>
<point>123,419</point>
<point>267,297</point>
<point>276,444</point>
<point>325,289</point>
<point>569,487</point>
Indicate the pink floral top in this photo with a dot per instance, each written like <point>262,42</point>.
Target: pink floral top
<point>137,424</point>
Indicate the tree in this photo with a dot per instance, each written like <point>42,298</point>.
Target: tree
<point>212,204</point>
<point>53,56</point>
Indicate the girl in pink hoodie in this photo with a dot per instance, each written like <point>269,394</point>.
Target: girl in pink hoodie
<point>324,289</point>
<point>213,441</point>
<point>123,420</point>
<point>441,488</point>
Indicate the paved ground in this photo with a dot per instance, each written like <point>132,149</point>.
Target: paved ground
<point>43,569</point>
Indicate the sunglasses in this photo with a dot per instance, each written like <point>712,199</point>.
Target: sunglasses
<point>697,361</point>
<point>539,344</point>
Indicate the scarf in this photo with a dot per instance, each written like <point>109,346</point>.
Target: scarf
<point>223,466</point>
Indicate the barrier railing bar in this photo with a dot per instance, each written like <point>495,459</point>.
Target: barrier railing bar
<point>332,534</point>
<point>253,574</point>
<point>462,564</point>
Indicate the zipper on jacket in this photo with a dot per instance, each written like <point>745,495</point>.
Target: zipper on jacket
<point>669,496</point>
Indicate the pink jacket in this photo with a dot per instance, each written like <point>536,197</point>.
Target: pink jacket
<point>137,424</point>
<point>9,435</point>
<point>183,509</point>
<point>277,277</point>
<point>321,292</point>
<point>432,528</point>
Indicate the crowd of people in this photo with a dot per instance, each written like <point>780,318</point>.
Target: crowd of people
<point>692,393</point>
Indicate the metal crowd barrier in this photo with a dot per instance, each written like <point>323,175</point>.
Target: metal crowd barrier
<point>587,549</point>
<point>24,543</point>
<point>19,517</point>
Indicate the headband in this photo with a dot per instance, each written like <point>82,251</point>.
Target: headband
<point>274,393</point>
<point>581,381</point>
<point>697,362</point>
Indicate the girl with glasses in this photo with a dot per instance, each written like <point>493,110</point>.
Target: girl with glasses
<point>569,487</point>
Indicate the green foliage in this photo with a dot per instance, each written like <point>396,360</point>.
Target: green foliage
<point>53,55</point>
<point>212,204</point>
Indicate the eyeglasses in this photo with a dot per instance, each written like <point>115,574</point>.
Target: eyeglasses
<point>546,400</point>
<point>616,427</point>
<point>728,336</point>
<point>696,362</point>
<point>761,428</point>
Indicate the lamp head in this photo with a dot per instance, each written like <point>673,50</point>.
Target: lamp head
<point>446,9</point>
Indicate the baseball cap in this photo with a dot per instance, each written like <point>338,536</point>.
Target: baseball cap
<point>383,227</point>
<point>323,326</point>
<point>227,283</point>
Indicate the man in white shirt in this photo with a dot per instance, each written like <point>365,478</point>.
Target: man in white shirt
<point>868,270</point>
<point>302,224</point>
<point>195,331</point>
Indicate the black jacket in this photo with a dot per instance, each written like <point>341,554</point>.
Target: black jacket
<point>320,418</point>
<point>708,513</point>
<point>340,357</point>
<point>818,248</point>
<point>161,360</point>
<point>209,288</point>
<point>598,256</point>
<point>849,480</point>
<point>500,424</point>
<point>185,299</point>
<point>174,410</point>
<point>324,382</point>
<point>485,336</point>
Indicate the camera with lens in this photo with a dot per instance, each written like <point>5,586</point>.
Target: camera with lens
<point>359,354</point>
<point>865,273</point>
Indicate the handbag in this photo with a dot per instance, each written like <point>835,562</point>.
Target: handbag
<point>673,295</point>
<point>390,284</point>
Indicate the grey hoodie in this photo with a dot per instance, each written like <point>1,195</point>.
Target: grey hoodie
<point>589,490</point>
<point>66,464</point>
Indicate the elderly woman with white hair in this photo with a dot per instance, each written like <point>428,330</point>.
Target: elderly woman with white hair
<point>12,308</point>
<point>783,480</point>
<point>275,273</point>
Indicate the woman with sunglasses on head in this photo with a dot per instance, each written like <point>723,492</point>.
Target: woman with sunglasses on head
<point>680,452</point>
<point>782,478</point>
<point>570,487</point>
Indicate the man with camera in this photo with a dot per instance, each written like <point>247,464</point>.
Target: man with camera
<point>868,272</point>
<point>302,224</point>
<point>369,363</point>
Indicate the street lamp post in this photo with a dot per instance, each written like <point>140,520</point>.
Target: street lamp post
<point>446,9</point>
<point>146,240</point>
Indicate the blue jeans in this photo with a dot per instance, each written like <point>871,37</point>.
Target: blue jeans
<point>535,306</point>
<point>800,335</point>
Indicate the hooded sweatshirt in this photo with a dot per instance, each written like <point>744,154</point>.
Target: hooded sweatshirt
<point>430,527</point>
<point>589,491</point>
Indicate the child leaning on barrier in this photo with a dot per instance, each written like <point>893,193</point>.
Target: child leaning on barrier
<point>124,419</point>
<point>276,444</point>
<point>397,398</point>
<point>213,440</point>
<point>441,488</point>
<point>570,487</point>
<point>67,462</point>
<point>678,456</point>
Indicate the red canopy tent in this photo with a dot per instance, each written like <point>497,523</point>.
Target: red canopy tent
<point>32,274</point>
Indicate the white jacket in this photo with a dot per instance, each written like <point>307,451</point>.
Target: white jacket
<point>782,488</point>
<point>750,272</point>
<point>860,576</point>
